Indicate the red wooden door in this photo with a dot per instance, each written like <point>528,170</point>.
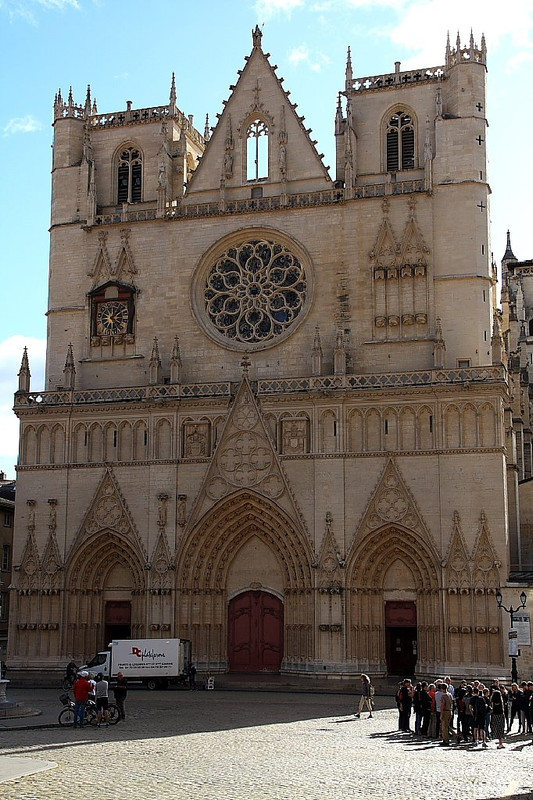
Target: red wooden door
<point>255,632</point>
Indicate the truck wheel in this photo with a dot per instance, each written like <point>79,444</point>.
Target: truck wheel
<point>152,683</point>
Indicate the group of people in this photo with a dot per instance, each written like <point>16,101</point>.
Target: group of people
<point>86,687</point>
<point>481,712</point>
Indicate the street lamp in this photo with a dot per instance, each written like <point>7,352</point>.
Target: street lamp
<point>511,611</point>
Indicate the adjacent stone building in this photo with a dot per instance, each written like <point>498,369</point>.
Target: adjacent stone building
<point>277,414</point>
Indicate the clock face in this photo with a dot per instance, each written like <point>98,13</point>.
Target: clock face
<point>112,318</point>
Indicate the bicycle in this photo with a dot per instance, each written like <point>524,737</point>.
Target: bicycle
<point>66,716</point>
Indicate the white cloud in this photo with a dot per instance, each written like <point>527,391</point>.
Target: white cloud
<point>266,9</point>
<point>302,55</point>
<point>27,124</point>
<point>25,9</point>
<point>422,25</point>
<point>11,350</point>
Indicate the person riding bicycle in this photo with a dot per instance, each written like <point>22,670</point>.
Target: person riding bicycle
<point>71,672</point>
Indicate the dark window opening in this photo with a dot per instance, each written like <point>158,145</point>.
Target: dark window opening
<point>400,141</point>
<point>130,176</point>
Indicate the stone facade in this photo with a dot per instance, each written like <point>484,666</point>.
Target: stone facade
<point>276,414</point>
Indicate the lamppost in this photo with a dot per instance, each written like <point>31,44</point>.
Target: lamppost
<point>511,611</point>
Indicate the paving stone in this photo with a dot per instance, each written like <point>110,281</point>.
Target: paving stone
<point>254,745</point>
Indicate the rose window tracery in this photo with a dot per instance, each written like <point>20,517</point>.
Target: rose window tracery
<point>255,291</point>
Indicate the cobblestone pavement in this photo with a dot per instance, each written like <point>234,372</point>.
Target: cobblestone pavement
<point>256,746</point>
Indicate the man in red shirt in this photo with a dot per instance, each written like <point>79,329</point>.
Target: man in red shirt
<point>81,690</point>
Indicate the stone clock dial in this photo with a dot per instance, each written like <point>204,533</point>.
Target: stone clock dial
<point>112,318</point>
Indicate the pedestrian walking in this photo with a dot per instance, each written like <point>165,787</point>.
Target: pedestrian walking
<point>367,691</point>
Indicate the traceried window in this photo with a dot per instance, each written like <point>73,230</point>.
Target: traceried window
<point>130,176</point>
<point>400,141</point>
<point>255,292</point>
<point>257,151</point>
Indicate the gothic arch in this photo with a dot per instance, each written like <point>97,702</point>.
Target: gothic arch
<point>407,553</point>
<point>91,563</point>
<point>210,548</point>
<point>375,552</point>
<point>207,558</point>
<point>88,586</point>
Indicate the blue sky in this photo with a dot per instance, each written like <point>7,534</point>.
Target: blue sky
<point>128,49</point>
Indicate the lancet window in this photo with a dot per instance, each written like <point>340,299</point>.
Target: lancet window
<point>257,150</point>
<point>400,141</point>
<point>129,176</point>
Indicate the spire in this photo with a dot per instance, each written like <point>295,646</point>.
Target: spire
<point>448,50</point>
<point>338,117</point>
<point>173,98</point>
<point>497,339</point>
<point>88,102</point>
<point>155,364</point>
<point>24,373</point>
<point>458,44</point>
<point>175,362</point>
<point>509,250</point>
<point>316,356</point>
<point>257,35</point>
<point>70,97</point>
<point>69,370</point>
<point>349,73</point>
<point>207,128</point>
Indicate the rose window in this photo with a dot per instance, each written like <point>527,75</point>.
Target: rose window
<point>255,291</point>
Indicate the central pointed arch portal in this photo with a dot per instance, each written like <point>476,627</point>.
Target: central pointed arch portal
<point>244,579</point>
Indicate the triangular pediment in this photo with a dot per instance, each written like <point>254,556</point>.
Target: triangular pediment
<point>329,562</point>
<point>392,504</point>
<point>294,165</point>
<point>162,575</point>
<point>52,565</point>
<point>245,458</point>
<point>413,249</point>
<point>108,511</point>
<point>102,269</point>
<point>384,252</point>
<point>124,265</point>
<point>485,562</point>
<point>30,564</point>
<point>457,561</point>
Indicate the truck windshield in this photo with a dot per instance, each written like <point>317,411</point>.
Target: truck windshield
<point>100,658</point>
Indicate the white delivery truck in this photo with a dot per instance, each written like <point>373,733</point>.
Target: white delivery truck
<point>155,662</point>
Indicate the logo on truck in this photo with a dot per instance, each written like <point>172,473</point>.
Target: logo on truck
<point>142,654</point>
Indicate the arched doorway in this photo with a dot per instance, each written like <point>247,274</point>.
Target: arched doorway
<point>246,543</point>
<point>395,617</point>
<point>105,593</point>
<point>255,627</point>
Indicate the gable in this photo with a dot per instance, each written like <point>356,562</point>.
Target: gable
<point>258,107</point>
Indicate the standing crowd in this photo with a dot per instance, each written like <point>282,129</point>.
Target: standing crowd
<point>471,712</point>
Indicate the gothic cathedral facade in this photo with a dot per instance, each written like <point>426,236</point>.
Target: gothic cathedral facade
<point>274,419</point>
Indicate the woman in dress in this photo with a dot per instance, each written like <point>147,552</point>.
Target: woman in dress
<point>497,717</point>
